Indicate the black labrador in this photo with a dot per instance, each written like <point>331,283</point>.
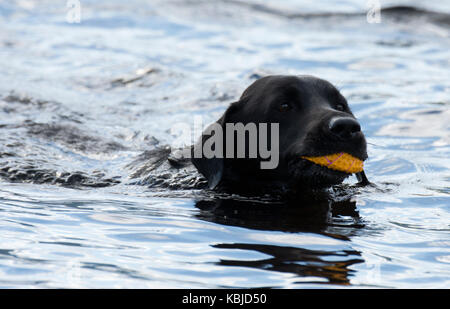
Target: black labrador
<point>313,119</point>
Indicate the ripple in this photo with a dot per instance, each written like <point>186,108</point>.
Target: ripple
<point>84,106</point>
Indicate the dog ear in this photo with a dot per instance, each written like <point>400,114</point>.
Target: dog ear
<point>212,168</point>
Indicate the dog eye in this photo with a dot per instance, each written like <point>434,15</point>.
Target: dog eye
<point>340,107</point>
<point>284,107</point>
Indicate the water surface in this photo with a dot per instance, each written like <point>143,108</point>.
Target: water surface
<point>79,102</point>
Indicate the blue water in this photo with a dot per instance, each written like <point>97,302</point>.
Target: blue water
<point>88,98</point>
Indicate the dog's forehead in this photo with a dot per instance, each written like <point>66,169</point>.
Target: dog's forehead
<point>288,87</point>
<point>308,83</point>
<point>302,89</point>
<point>292,85</point>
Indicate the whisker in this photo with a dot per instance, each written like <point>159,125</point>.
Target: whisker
<point>373,144</point>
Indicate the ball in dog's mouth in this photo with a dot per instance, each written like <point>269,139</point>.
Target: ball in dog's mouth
<point>342,162</point>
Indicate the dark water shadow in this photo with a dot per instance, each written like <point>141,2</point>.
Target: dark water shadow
<point>315,213</point>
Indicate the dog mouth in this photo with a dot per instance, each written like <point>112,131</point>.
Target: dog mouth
<point>324,170</point>
<point>342,162</point>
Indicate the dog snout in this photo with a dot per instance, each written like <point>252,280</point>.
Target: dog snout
<point>345,128</point>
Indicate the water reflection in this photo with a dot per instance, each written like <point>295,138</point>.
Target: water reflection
<point>301,215</point>
<point>309,265</point>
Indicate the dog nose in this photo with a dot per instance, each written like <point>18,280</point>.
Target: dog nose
<point>344,127</point>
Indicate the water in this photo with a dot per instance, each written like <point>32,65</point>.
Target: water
<point>80,102</point>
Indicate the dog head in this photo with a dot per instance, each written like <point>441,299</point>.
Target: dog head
<point>295,118</point>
